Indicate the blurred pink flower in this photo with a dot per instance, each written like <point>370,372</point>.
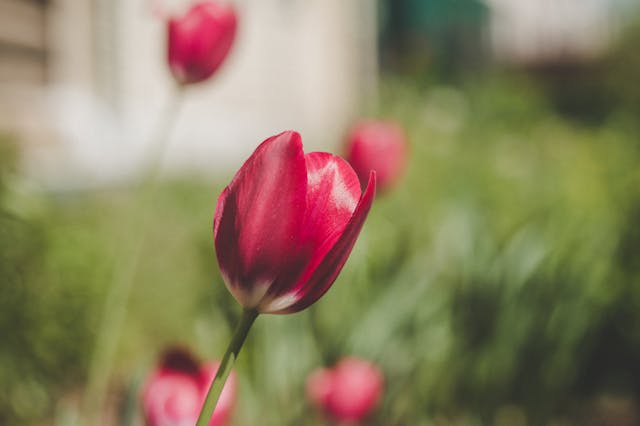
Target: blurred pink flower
<point>379,146</point>
<point>285,225</point>
<point>349,391</point>
<point>200,40</point>
<point>174,393</point>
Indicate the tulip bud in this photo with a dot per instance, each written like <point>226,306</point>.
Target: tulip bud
<point>200,40</point>
<point>348,392</point>
<point>174,393</point>
<point>285,225</point>
<point>379,146</point>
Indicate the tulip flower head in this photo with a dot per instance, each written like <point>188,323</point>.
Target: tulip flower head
<point>285,225</point>
<point>348,392</point>
<point>379,146</point>
<point>200,40</point>
<point>173,395</point>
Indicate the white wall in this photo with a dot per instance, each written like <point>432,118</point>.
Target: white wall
<point>526,30</point>
<point>296,64</point>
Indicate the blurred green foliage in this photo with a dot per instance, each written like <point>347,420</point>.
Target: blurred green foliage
<point>498,284</point>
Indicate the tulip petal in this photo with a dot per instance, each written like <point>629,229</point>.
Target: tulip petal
<point>325,273</point>
<point>214,39</point>
<point>319,386</point>
<point>259,217</point>
<point>333,192</point>
<point>199,41</point>
<point>177,50</point>
<point>180,360</point>
<point>379,146</point>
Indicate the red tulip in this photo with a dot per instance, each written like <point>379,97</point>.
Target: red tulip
<point>349,391</point>
<point>379,146</point>
<point>285,225</point>
<point>175,392</point>
<point>200,41</point>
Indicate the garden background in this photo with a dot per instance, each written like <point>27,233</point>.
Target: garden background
<point>496,284</point>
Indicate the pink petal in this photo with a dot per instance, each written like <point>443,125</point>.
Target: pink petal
<point>259,217</point>
<point>178,359</point>
<point>171,398</point>
<point>199,41</point>
<point>325,273</point>
<point>379,146</point>
<point>213,40</point>
<point>177,49</point>
<point>333,193</point>
<point>319,386</point>
<point>357,389</point>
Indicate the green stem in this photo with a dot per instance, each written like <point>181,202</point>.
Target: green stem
<point>239,335</point>
<point>115,306</point>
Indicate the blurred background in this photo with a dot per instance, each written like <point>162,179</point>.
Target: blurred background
<point>498,282</point>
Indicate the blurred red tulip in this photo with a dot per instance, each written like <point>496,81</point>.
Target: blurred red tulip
<point>349,391</point>
<point>379,146</point>
<point>173,395</point>
<point>200,41</point>
<point>285,225</point>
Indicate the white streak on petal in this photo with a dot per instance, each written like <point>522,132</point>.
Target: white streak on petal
<point>255,296</point>
<point>251,298</point>
<point>341,195</point>
<point>279,303</point>
<point>315,177</point>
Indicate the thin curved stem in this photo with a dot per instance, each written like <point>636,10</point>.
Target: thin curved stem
<point>239,336</point>
<point>115,307</point>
